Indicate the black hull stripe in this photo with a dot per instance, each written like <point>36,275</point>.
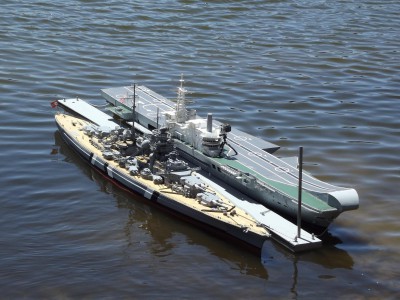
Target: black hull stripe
<point>155,196</point>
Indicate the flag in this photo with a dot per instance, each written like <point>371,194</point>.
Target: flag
<point>54,104</point>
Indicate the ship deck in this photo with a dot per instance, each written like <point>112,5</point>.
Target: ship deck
<point>254,154</point>
<point>289,189</point>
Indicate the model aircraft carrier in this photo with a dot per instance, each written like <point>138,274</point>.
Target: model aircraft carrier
<point>247,156</point>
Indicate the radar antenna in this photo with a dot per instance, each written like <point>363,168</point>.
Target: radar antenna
<point>181,111</point>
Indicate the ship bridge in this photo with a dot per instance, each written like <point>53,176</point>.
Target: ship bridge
<point>151,109</point>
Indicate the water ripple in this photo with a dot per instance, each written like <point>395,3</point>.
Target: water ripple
<point>318,74</point>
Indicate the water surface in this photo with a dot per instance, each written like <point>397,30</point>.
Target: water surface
<point>319,74</point>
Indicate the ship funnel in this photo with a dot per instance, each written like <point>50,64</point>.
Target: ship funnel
<point>209,122</point>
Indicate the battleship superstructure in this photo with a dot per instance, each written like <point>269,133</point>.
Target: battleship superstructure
<point>237,158</point>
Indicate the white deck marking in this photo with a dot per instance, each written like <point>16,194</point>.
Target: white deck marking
<point>110,171</point>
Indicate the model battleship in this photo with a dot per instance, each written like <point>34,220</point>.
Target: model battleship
<point>152,168</point>
<point>199,167</point>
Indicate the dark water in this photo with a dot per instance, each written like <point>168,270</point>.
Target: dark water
<point>320,74</point>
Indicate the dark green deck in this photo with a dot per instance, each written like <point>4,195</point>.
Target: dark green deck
<point>292,191</point>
